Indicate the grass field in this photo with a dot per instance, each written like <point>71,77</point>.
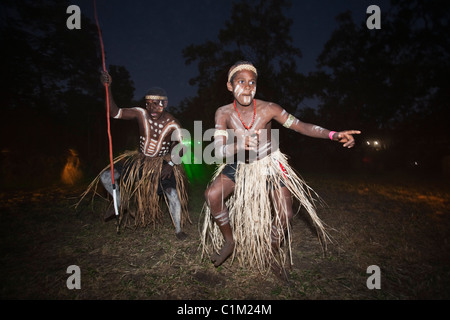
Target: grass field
<point>400,223</point>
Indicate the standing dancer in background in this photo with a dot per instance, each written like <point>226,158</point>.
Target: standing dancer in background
<point>149,173</point>
<point>258,180</point>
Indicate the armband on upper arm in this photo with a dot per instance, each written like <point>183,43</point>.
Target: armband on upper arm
<point>221,133</point>
<point>289,121</point>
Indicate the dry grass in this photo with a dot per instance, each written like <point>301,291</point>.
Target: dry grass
<point>400,224</point>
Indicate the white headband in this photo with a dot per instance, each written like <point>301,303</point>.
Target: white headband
<point>240,68</point>
<point>155,98</point>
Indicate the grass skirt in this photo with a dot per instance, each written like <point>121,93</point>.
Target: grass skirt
<point>139,189</point>
<point>251,212</point>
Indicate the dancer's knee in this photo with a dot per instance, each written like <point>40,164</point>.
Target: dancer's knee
<point>214,198</point>
<point>209,195</point>
<point>105,177</point>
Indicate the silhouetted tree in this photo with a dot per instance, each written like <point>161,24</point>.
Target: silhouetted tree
<point>257,31</point>
<point>390,82</point>
<point>125,133</point>
<point>52,98</point>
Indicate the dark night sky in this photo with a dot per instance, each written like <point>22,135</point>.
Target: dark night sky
<point>147,37</point>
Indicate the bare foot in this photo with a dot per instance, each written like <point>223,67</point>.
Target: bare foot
<point>224,253</point>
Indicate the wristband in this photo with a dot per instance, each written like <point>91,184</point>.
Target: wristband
<point>330,135</point>
<point>171,163</point>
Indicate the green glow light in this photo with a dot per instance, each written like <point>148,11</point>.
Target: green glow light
<point>196,173</point>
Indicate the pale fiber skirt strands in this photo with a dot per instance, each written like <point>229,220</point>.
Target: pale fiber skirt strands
<point>139,194</point>
<point>252,213</point>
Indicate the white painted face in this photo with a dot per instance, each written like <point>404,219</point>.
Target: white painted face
<point>243,87</point>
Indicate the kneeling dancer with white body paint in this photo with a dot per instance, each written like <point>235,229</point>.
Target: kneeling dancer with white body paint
<point>149,173</point>
<point>242,195</point>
